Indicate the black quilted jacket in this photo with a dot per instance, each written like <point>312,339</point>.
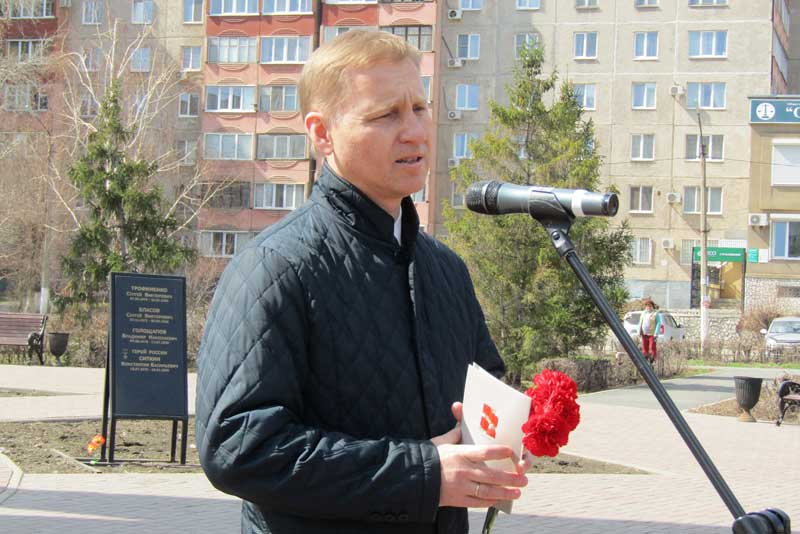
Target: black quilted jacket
<point>331,356</point>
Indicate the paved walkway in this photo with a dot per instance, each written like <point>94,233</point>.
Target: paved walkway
<point>622,426</point>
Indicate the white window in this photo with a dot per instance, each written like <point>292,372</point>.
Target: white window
<point>25,50</point>
<point>713,143</point>
<point>586,3</point>
<point>31,9</point>
<point>142,12</point>
<point>426,86</point>
<point>187,152</point>
<point>92,58</point>
<point>190,58</point>
<point>525,40</point>
<point>419,36</point>
<point>278,98</point>
<point>705,95</point>
<point>687,250</point>
<point>786,240</point>
<point>469,45</point>
<point>285,49</point>
<point>456,196</point>
<point>281,146</point>
<point>461,149</point>
<point>140,60</point>
<point>92,11</point>
<point>691,200</point>
<point>287,6</point>
<point>24,97</point>
<point>786,162</point>
<point>646,3</point>
<point>222,244</point>
<point>470,5</point>
<point>192,11</point>
<point>708,44</point>
<point>641,199</point>
<point>641,250</point>
<point>234,7</point>
<point>332,32</point>
<point>236,98</point>
<point>585,45</point>
<point>228,146</point>
<point>642,147</point>
<point>278,196</point>
<point>232,50</point>
<point>189,105</point>
<point>467,96</point>
<point>419,196</point>
<point>89,105</point>
<point>585,95</point>
<point>645,45</point>
<point>708,2</point>
<point>643,96</point>
<point>529,4</point>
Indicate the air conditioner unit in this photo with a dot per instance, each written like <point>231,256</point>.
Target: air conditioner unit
<point>64,3</point>
<point>454,14</point>
<point>454,62</point>
<point>454,115</point>
<point>673,198</point>
<point>676,90</point>
<point>667,243</point>
<point>758,219</point>
<point>452,163</point>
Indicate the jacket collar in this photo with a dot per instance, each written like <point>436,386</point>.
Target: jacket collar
<point>361,213</point>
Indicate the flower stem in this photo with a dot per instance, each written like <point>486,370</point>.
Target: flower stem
<point>491,515</point>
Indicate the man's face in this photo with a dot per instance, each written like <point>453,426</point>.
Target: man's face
<point>380,140</point>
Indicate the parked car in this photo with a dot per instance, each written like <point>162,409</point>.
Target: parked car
<point>669,330</point>
<point>782,335</point>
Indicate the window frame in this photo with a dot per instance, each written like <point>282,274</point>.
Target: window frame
<point>300,5</point>
<point>467,136</point>
<point>462,5</point>
<point>36,49</point>
<point>251,45</point>
<point>251,8</point>
<point>188,154</point>
<point>135,60</point>
<point>782,181</point>
<point>645,86</point>
<point>636,243</point>
<point>531,39</point>
<point>295,188</point>
<point>712,142</point>
<point>225,236</point>
<point>699,95</point>
<point>230,98</point>
<point>269,88</point>
<point>639,196</point>
<point>238,138</point>
<point>645,45</point>
<point>645,3</point>
<point>424,34</point>
<point>97,12</point>
<point>45,5</point>
<point>458,199</point>
<point>464,90</point>
<point>277,136</point>
<point>28,95</point>
<point>587,4</point>
<point>584,96</point>
<point>194,4</point>
<point>190,97</point>
<point>192,49</point>
<point>301,44</point>
<point>585,35</point>
<point>790,224</point>
<point>642,137</point>
<point>528,7</point>
<point>695,209</point>
<point>707,3</point>
<point>144,13</point>
<point>715,34</point>
<point>473,46</point>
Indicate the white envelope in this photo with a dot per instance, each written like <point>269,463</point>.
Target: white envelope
<point>503,410</point>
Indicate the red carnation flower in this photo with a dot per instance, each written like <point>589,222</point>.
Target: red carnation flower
<point>554,413</point>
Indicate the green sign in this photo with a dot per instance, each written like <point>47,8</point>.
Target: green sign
<point>752,255</point>
<point>733,255</point>
<point>774,111</point>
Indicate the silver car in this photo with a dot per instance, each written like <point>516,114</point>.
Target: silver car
<point>670,330</point>
<point>783,335</point>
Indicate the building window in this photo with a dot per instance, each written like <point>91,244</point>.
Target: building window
<point>456,195</point>
<point>281,146</point>
<point>234,7</point>
<point>332,32</point>
<point>586,3</point>
<point>140,60</point>
<point>467,97</point>
<point>228,146</point>
<point>645,3</point>
<point>641,250</point>
<point>525,40</point>
<point>222,244</point>
<point>529,4</point>
<point>641,199</point>
<point>192,11</point>
<point>31,9</point>
<point>586,45</point>
<point>278,98</point>
<point>24,97</point>
<point>234,195</point>
<point>469,46</point>
<point>691,200</point>
<point>708,44</point>
<point>278,196</point>
<point>22,51</point>
<point>287,6</point>
<point>187,152</point>
<point>232,50</point>
<point>713,144</point>
<point>461,141</point>
<point>285,49</point>
<point>645,45</point>
<point>89,105</point>
<point>643,96</point>
<point>419,196</point>
<point>92,12</point>
<point>230,98</point>
<point>419,36</point>
<point>190,58</point>
<point>470,5</point>
<point>785,162</point>
<point>351,1</point>
<point>585,95</point>
<point>426,86</point>
<point>92,57</point>
<point>705,95</point>
<point>786,240</point>
<point>642,147</point>
<point>142,12</point>
<point>189,105</point>
<point>708,2</point>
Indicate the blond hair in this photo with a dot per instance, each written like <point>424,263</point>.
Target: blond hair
<point>324,81</point>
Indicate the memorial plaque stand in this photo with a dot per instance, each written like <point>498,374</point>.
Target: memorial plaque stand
<point>146,375</point>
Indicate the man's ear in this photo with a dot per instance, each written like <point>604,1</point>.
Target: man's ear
<point>319,133</point>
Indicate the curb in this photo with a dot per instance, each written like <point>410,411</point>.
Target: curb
<point>13,484</point>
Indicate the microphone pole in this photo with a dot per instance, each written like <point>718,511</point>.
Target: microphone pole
<point>557,221</point>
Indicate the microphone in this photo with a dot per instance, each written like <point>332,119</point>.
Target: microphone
<point>498,198</point>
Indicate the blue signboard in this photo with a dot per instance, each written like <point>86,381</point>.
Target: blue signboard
<point>774,111</point>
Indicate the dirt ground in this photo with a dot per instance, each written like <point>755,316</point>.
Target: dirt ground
<point>765,410</point>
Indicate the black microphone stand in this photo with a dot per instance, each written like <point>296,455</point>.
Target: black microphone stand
<point>557,221</point>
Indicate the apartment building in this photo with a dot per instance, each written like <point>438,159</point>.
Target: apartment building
<point>650,74</point>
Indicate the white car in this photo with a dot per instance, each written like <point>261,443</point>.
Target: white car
<point>669,330</point>
<point>783,335</point>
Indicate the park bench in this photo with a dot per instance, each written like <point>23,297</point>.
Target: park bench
<point>23,330</point>
<point>788,397</point>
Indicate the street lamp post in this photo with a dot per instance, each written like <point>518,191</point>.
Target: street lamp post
<point>705,302</point>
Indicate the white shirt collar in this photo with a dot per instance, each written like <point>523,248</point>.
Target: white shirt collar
<point>398,227</point>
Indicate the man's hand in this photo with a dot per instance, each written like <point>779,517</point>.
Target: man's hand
<point>466,479</point>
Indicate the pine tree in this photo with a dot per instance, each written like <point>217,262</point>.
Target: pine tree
<point>127,227</point>
<point>534,304</point>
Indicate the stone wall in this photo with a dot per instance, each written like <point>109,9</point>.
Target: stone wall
<point>721,323</point>
<point>773,293</point>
